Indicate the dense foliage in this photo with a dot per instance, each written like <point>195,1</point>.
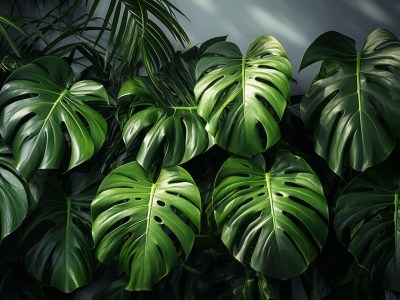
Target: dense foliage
<point>130,171</point>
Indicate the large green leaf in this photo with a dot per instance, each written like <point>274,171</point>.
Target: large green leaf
<point>243,97</point>
<point>58,248</point>
<point>43,110</point>
<point>368,220</point>
<point>14,201</point>
<point>166,112</point>
<point>137,217</point>
<point>277,220</point>
<point>354,103</point>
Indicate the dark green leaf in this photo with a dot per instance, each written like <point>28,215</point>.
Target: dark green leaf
<point>278,220</point>
<point>57,243</point>
<point>354,103</point>
<point>167,113</point>
<point>43,110</point>
<point>14,201</point>
<point>368,220</point>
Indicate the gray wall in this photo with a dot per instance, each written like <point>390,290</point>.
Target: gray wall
<point>295,24</point>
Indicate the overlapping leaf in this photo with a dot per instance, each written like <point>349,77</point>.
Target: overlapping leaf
<point>57,238</point>
<point>278,220</point>
<point>14,201</point>
<point>368,220</point>
<point>138,218</point>
<point>166,113</point>
<point>354,103</point>
<point>243,97</point>
<point>42,110</point>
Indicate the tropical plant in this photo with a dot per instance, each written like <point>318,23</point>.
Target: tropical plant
<point>131,171</point>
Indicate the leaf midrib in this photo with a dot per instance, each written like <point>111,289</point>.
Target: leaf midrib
<point>271,201</point>
<point>360,106</point>
<point>149,210</point>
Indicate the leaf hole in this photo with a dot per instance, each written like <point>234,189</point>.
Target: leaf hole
<point>291,171</point>
<point>158,219</point>
<point>122,201</point>
<point>298,223</point>
<point>244,175</point>
<point>161,203</point>
<point>83,119</point>
<point>244,187</point>
<point>262,133</point>
<point>293,184</point>
<point>269,107</point>
<point>246,165</point>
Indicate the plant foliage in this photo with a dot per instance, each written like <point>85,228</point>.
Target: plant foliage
<point>140,197</point>
<point>354,101</point>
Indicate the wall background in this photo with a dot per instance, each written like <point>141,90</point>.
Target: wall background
<point>295,24</point>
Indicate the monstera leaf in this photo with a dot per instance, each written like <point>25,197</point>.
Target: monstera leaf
<point>368,220</point>
<point>57,240</point>
<point>243,97</point>
<point>278,220</point>
<point>138,218</point>
<point>166,112</point>
<point>43,110</point>
<point>354,103</point>
<point>14,199</point>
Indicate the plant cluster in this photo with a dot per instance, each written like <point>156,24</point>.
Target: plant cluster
<point>129,170</point>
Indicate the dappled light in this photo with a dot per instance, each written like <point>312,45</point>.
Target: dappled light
<point>294,23</point>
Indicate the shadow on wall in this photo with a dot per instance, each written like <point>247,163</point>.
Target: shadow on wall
<point>295,24</point>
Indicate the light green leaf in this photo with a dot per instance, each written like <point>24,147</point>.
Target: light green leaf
<point>139,218</point>
<point>276,221</point>
<point>354,103</point>
<point>43,110</point>
<point>243,97</point>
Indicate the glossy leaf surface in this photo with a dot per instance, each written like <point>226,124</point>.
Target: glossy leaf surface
<point>276,221</point>
<point>43,110</point>
<point>354,103</point>
<point>166,113</point>
<point>14,200</point>
<point>138,218</point>
<point>243,97</point>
